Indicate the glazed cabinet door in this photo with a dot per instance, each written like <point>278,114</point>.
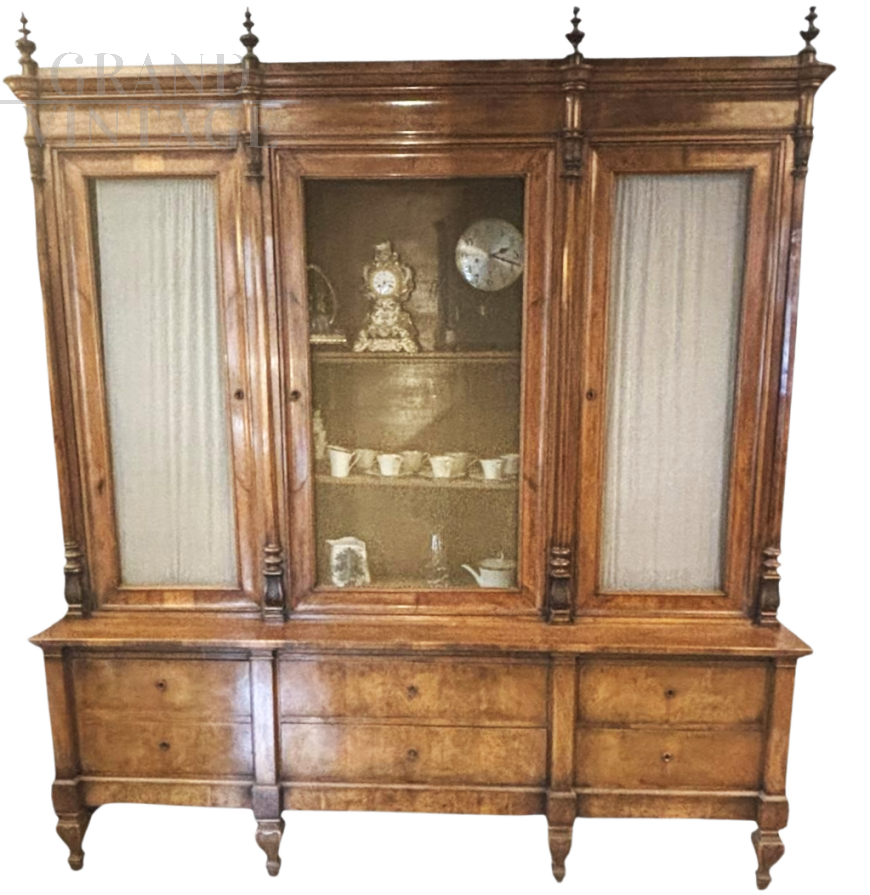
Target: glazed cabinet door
<point>681,285</point>
<point>413,293</point>
<point>163,380</point>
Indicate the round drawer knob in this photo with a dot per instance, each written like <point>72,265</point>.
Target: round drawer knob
<point>161,685</point>
<point>667,757</point>
<point>412,755</point>
<point>670,693</point>
<point>163,746</point>
<point>413,692</point>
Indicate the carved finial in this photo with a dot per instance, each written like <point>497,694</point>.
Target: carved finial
<point>249,41</point>
<point>27,48</point>
<point>812,32</point>
<point>576,35</point>
<point>273,571</point>
<point>768,596</point>
<point>74,571</point>
<point>560,585</point>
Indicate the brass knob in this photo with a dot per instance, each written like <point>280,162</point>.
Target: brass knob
<point>667,757</point>
<point>670,693</point>
<point>412,755</point>
<point>413,692</point>
<point>163,746</point>
<point>161,685</point>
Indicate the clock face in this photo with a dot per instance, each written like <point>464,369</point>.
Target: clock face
<point>490,254</point>
<point>384,282</point>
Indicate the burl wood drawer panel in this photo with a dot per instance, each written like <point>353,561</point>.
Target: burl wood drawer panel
<point>452,691</point>
<point>671,693</point>
<point>125,747</point>
<point>664,759</point>
<point>208,688</point>
<point>399,753</point>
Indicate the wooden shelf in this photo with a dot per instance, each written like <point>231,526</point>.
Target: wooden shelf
<point>416,481</point>
<point>464,357</point>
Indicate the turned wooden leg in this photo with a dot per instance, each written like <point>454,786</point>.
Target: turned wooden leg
<point>560,845</point>
<point>269,833</point>
<point>769,849</point>
<point>71,828</point>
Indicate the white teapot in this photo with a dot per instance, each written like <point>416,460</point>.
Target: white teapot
<point>496,571</point>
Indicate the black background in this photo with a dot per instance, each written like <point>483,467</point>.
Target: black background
<point>158,845</point>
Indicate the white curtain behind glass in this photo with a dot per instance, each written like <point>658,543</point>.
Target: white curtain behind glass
<point>165,382</point>
<point>676,282</point>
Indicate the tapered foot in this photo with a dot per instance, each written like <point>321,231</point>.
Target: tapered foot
<point>72,828</point>
<point>769,849</point>
<point>560,845</point>
<point>269,833</point>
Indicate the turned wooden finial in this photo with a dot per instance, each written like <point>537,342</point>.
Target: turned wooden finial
<point>26,47</point>
<point>249,41</point>
<point>576,35</point>
<point>812,32</point>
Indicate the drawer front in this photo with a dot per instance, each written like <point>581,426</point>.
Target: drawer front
<point>666,759</point>
<point>208,688</point>
<point>453,691</point>
<point>671,693</point>
<point>398,753</point>
<point>125,747</point>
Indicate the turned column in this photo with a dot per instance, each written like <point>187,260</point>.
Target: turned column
<point>561,798</point>
<point>772,813</point>
<point>266,792</point>
<point>73,816</point>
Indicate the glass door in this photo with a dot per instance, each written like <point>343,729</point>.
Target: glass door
<point>675,322</point>
<point>415,306</point>
<point>164,383</point>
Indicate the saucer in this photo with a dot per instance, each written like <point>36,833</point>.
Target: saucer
<point>427,474</point>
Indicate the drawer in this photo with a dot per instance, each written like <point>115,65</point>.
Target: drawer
<point>666,759</point>
<point>452,691</point>
<point>207,688</point>
<point>399,753</point>
<point>124,747</point>
<point>672,693</point>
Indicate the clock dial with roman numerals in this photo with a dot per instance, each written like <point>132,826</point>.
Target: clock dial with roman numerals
<point>490,254</point>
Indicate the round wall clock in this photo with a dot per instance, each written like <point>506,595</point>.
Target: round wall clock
<point>490,254</point>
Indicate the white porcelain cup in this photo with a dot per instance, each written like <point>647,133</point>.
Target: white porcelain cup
<point>461,461</point>
<point>341,461</point>
<point>511,464</point>
<point>492,468</point>
<point>390,464</point>
<point>442,466</point>
<point>367,457</point>
<point>412,461</point>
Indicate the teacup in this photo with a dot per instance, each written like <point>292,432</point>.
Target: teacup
<point>492,468</point>
<point>461,461</point>
<point>390,464</point>
<point>367,457</point>
<point>442,466</point>
<point>511,464</point>
<point>341,461</point>
<point>412,461</point>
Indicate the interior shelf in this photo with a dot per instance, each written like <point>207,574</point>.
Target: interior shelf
<point>418,481</point>
<point>351,357</point>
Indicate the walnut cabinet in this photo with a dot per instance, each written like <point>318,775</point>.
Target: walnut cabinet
<point>421,434</point>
